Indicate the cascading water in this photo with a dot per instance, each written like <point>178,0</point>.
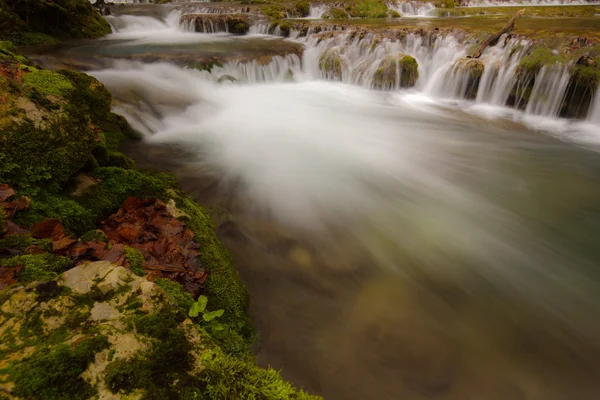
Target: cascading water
<point>549,90</point>
<point>526,3</point>
<point>316,11</point>
<point>413,8</point>
<point>442,74</point>
<point>432,253</point>
<point>499,75</point>
<point>594,115</point>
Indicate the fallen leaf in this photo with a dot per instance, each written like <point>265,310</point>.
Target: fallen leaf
<point>5,191</point>
<point>45,229</point>
<point>34,250</point>
<point>13,229</point>
<point>115,253</point>
<point>62,243</point>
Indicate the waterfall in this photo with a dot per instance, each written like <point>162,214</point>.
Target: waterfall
<point>353,57</point>
<point>548,91</point>
<point>277,70</point>
<point>413,8</point>
<point>527,3</point>
<point>259,29</point>
<point>317,11</point>
<point>594,115</point>
<point>499,76</point>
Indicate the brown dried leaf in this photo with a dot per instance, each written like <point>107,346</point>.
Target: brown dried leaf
<point>129,232</point>
<point>8,275</point>
<point>46,229</point>
<point>13,229</point>
<point>62,243</point>
<point>115,253</point>
<point>5,191</point>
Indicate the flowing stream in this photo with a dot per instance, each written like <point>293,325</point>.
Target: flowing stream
<point>402,244</point>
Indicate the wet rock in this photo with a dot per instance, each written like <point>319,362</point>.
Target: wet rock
<point>332,64</point>
<point>396,71</point>
<point>472,70</point>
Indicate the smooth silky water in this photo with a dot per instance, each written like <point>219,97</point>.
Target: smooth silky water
<point>396,245</point>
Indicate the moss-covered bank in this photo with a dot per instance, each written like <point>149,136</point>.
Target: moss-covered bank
<point>47,21</point>
<point>59,150</point>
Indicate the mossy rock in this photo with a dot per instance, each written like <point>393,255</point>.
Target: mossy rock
<point>49,82</point>
<point>332,64</point>
<point>396,71</point>
<point>336,13</point>
<point>273,12</point>
<point>100,329</point>
<point>65,19</point>
<point>536,58</point>
<point>303,8</point>
<point>47,126</point>
<point>285,29</point>
<point>473,70</point>
<point>369,9</point>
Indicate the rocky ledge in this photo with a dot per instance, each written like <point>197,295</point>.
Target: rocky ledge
<point>113,283</point>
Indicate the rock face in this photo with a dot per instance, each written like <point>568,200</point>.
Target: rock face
<point>39,21</point>
<point>471,71</point>
<point>396,71</point>
<point>47,121</point>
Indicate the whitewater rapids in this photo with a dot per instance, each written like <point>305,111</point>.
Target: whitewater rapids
<point>403,244</point>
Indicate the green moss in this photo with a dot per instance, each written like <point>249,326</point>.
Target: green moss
<point>54,373</point>
<point>177,293</point>
<point>448,3</point>
<point>35,39</point>
<point>162,370</point>
<point>7,48</point>
<point>48,82</point>
<point>386,75</point>
<point>303,8</point>
<point>95,235</point>
<point>285,28</point>
<point>535,59</point>
<point>38,267</point>
<point>395,14</point>
<point>36,155</point>
<point>60,19</point>
<point>369,9</point>
<point>223,286</point>
<point>587,76</point>
<point>273,11</point>
<point>74,217</point>
<point>90,96</point>
<point>228,378</point>
<point>331,64</point>
<point>136,260</point>
<point>22,241</point>
<point>336,13</point>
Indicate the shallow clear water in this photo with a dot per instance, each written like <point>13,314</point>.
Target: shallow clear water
<point>395,244</point>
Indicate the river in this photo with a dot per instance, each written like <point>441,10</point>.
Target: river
<point>402,244</point>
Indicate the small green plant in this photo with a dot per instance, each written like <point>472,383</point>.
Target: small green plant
<point>199,307</point>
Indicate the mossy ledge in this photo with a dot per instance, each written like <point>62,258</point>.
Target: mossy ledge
<point>99,329</point>
<point>34,22</point>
